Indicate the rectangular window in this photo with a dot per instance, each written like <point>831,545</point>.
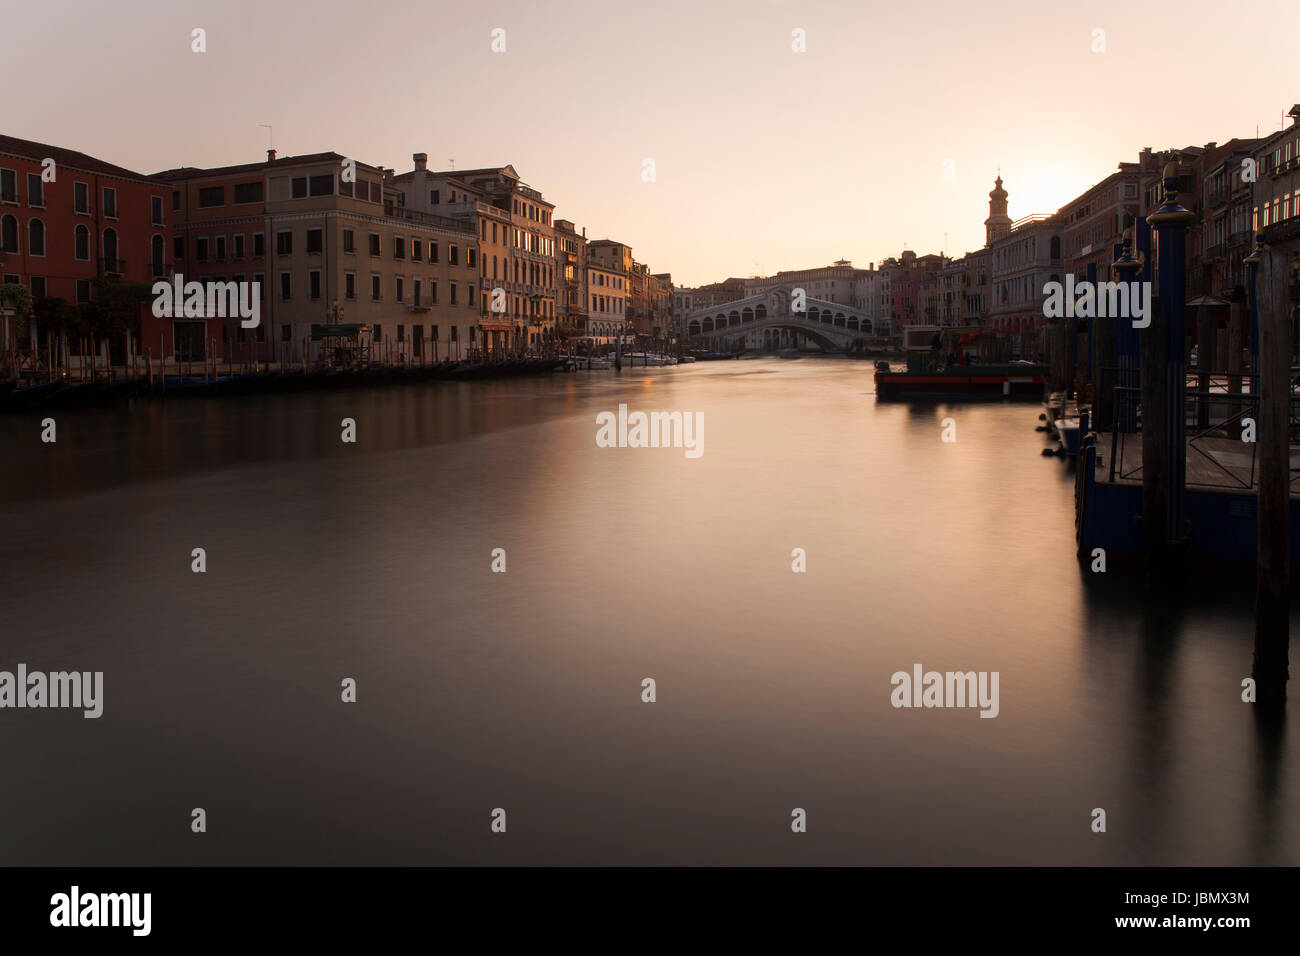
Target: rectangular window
<point>286,286</point>
<point>416,300</point>
<point>399,247</point>
<point>221,248</point>
<point>322,185</point>
<point>469,257</point>
<point>83,290</point>
<point>284,243</point>
<point>239,245</point>
<point>212,196</point>
<point>81,198</point>
<point>259,245</point>
<point>400,288</point>
<point>156,210</point>
<point>35,190</point>
<point>453,293</point>
<point>315,241</point>
<point>286,333</point>
<point>349,285</point>
<point>417,250</point>
<point>433,197</point>
<point>349,240</point>
<point>313,284</point>
<point>453,256</point>
<point>374,288</point>
<point>379,332</point>
<point>299,189</point>
<point>374,244</point>
<point>8,185</point>
<point>109,205</point>
<point>201,249</point>
<point>469,297</point>
<point>433,291</point>
<point>433,252</point>
<point>401,333</point>
<point>178,248</point>
<point>248,192</point>
<point>38,287</point>
<point>345,188</point>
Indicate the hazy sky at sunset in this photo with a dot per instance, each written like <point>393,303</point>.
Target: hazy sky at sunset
<point>766,159</point>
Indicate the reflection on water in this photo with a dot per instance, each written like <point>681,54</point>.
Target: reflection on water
<point>523,690</point>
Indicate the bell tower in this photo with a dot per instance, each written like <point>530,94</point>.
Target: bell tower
<point>998,224</point>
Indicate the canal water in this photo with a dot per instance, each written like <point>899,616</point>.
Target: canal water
<point>522,690</point>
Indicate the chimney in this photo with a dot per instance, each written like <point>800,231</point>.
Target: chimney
<point>421,161</point>
<point>270,155</point>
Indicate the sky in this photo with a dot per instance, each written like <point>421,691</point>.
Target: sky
<point>884,133</point>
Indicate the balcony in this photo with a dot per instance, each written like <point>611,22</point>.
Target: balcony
<point>430,219</point>
<point>114,266</point>
<point>1283,231</point>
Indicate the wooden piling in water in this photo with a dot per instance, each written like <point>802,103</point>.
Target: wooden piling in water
<point>1272,576</point>
<point>1236,341</point>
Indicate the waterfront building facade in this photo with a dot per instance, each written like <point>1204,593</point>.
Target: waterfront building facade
<point>833,283</point>
<point>1021,263</point>
<point>1276,205</point>
<point>607,300</point>
<point>515,229</point>
<point>571,266</point>
<point>70,222</point>
<point>327,241</point>
<point>1227,237</point>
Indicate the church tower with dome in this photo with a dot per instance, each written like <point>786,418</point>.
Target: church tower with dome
<point>998,224</point>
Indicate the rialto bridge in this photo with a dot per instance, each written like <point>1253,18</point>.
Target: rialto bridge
<point>771,320</point>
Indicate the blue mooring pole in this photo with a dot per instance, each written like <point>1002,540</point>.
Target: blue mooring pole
<point>1170,223</point>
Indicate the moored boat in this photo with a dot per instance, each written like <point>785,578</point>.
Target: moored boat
<point>929,374</point>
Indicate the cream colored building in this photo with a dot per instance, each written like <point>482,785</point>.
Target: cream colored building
<point>515,229</point>
<point>607,301</point>
<point>329,243</point>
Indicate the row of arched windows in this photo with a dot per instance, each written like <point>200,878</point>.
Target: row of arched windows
<point>9,242</point>
<point>758,314</point>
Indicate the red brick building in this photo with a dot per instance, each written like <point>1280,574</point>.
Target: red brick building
<point>84,219</point>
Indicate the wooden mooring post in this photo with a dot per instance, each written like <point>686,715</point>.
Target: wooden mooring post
<point>1271,666</point>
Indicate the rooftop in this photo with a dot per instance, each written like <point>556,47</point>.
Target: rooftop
<point>29,149</point>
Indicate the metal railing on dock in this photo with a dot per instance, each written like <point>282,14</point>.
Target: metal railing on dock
<point>1221,450</point>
